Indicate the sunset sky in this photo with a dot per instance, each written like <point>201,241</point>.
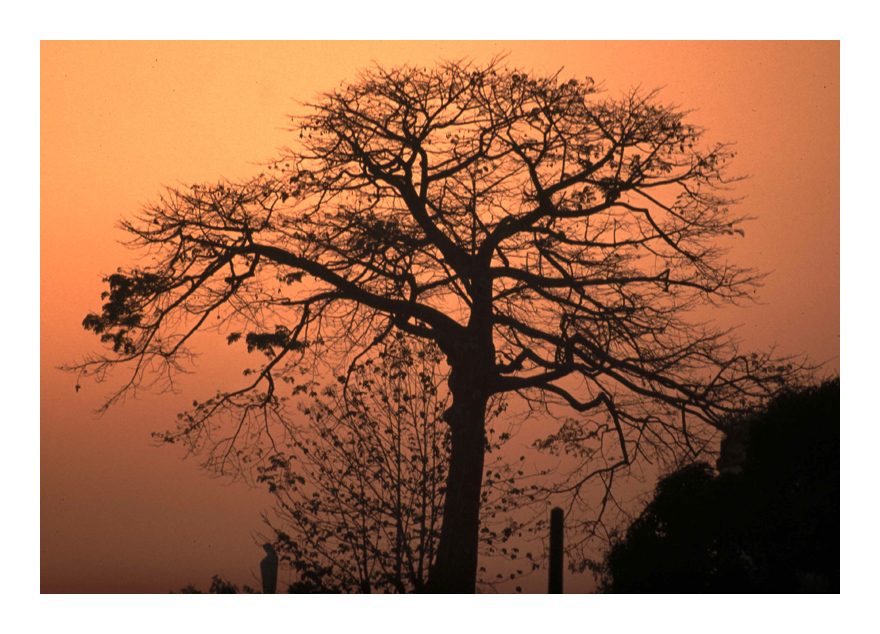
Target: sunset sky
<point>120,120</point>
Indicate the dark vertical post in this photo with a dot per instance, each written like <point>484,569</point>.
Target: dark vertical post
<point>556,534</point>
<point>269,569</point>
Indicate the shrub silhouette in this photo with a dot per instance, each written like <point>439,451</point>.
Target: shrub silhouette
<point>773,527</point>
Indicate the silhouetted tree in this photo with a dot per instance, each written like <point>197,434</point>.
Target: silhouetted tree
<point>550,240</point>
<point>360,489</point>
<point>772,527</point>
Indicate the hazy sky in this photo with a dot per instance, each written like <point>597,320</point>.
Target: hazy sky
<point>120,120</point>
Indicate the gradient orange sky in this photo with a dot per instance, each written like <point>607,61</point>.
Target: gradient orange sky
<point>120,120</point>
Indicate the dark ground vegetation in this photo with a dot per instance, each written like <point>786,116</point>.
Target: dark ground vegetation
<point>772,525</point>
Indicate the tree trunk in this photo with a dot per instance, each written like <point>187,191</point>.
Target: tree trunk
<point>455,567</point>
<point>472,366</point>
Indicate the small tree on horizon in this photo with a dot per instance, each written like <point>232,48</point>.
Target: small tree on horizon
<point>359,489</point>
<point>553,242</point>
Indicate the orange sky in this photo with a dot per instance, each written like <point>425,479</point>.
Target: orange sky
<point>119,120</point>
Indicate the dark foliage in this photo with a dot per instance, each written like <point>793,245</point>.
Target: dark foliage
<point>772,527</point>
<point>219,585</point>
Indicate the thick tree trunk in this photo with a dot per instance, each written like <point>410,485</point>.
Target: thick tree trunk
<point>455,567</point>
<point>472,365</point>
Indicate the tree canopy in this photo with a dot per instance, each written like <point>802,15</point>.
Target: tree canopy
<point>551,240</point>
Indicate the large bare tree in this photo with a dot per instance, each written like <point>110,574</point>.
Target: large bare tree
<point>556,243</point>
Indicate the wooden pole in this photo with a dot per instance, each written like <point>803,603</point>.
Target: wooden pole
<point>556,548</point>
